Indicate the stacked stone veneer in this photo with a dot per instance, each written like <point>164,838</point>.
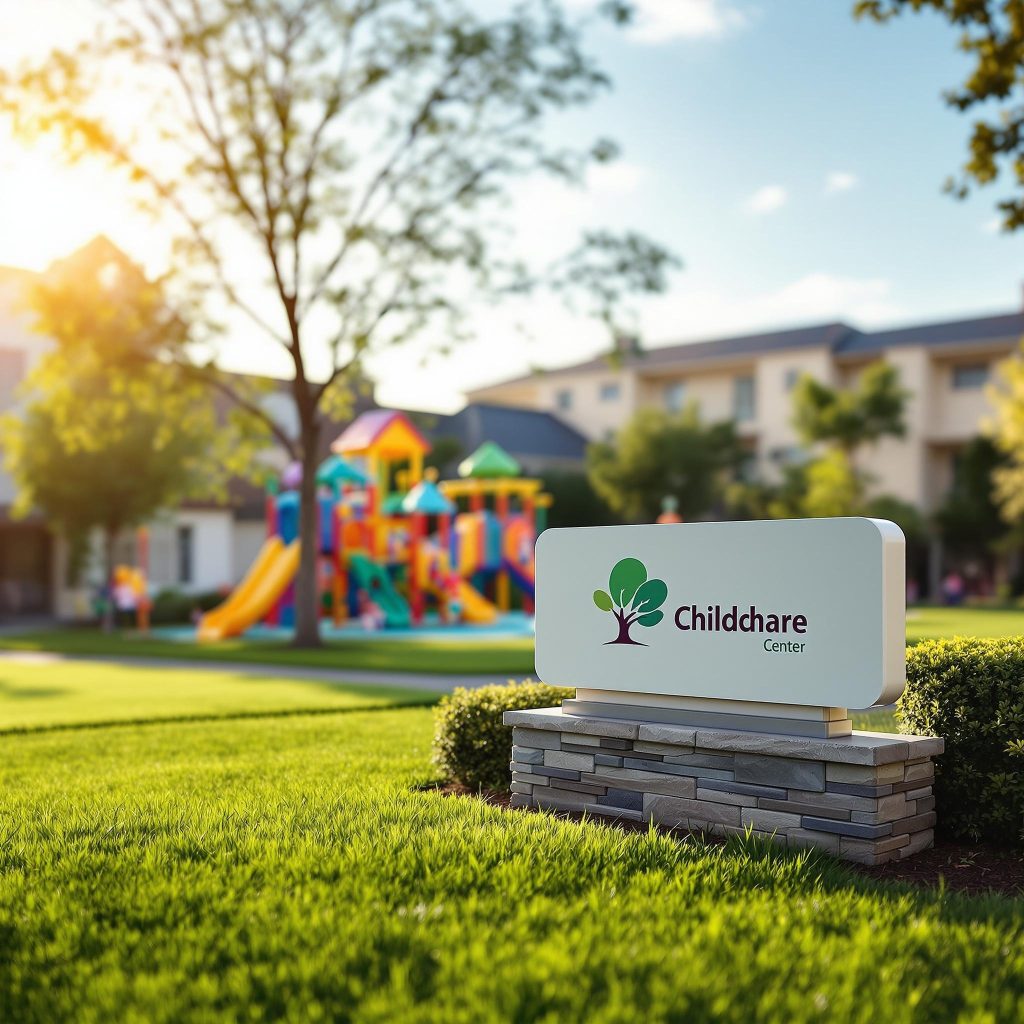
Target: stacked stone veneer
<point>866,797</point>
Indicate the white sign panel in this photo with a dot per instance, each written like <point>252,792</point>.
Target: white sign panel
<point>791,611</point>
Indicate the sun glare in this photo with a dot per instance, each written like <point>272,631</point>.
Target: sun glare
<point>48,209</point>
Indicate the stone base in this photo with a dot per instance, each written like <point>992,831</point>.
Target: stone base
<point>866,797</point>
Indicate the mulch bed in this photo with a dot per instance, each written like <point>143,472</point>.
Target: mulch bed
<point>961,867</point>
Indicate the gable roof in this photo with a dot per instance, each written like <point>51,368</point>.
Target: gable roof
<point>1007,327</point>
<point>839,338</point>
<point>520,432</point>
<point>370,427</point>
<point>489,460</point>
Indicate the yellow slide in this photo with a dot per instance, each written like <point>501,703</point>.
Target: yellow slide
<point>475,607</point>
<point>252,599</point>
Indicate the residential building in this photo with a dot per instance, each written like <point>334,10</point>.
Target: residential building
<point>945,366</point>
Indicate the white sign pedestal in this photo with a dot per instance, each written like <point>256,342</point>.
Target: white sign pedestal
<point>713,665</point>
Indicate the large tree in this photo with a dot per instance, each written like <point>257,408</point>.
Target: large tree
<point>109,436</point>
<point>338,171</point>
<point>992,37</point>
<point>658,455</point>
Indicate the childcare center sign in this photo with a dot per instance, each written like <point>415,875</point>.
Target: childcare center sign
<point>804,611</point>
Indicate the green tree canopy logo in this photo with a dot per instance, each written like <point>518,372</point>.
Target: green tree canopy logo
<point>632,598</point>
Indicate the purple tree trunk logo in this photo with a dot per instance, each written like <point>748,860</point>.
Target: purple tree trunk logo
<point>632,598</point>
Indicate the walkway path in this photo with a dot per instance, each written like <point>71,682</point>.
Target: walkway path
<point>436,682</point>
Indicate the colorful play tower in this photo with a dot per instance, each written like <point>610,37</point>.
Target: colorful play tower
<point>394,543</point>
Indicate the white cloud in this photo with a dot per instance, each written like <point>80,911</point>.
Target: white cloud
<point>695,311</point>
<point>993,225</point>
<point>840,181</point>
<point>767,199</point>
<point>620,177</point>
<point>664,21</point>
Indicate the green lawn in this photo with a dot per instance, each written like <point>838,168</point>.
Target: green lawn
<point>930,623</point>
<point>513,656</point>
<point>86,693</point>
<point>286,868</point>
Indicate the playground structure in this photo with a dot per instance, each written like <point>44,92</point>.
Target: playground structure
<point>393,541</point>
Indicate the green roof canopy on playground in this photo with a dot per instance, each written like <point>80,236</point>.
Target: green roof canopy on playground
<point>489,461</point>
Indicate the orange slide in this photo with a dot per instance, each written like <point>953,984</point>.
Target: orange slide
<point>275,567</point>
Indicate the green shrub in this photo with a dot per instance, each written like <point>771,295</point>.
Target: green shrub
<point>172,607</point>
<point>471,744</point>
<point>971,692</point>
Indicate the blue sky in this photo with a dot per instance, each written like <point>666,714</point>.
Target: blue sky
<point>792,157</point>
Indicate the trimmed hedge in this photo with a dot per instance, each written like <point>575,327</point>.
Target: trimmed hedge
<point>971,692</point>
<point>471,744</point>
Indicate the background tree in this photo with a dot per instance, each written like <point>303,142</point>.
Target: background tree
<point>991,34</point>
<point>337,171</point>
<point>656,455</point>
<point>574,500</point>
<point>851,417</point>
<point>109,436</point>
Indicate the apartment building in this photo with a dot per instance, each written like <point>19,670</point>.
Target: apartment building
<point>946,367</point>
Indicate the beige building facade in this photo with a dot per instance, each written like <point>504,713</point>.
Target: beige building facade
<point>947,368</point>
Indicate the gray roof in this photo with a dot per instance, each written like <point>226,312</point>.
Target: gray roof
<point>839,338</point>
<point>521,432</point>
<point>1007,327</point>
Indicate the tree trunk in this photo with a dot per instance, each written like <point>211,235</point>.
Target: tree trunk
<point>307,599</point>
<point>624,626</point>
<point>109,610</point>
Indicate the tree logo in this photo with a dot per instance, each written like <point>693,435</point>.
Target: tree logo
<point>632,598</point>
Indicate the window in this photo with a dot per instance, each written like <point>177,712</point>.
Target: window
<point>791,378</point>
<point>970,376</point>
<point>675,396</point>
<point>743,399</point>
<point>610,391</point>
<point>563,399</point>
<point>186,545</point>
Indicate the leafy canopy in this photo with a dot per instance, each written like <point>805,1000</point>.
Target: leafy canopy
<point>658,454</point>
<point>849,417</point>
<point>110,435</point>
<point>629,588</point>
<point>991,34</point>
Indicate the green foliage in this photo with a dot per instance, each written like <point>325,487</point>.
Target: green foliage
<point>850,417</point>
<point>172,606</point>
<point>575,502</point>
<point>626,577</point>
<point>834,488</point>
<point>971,692</point>
<point>991,34</point>
<point>471,744</point>
<point>657,455</point>
<point>288,869</point>
<point>603,600</point>
<point>969,519</point>
<point>111,432</point>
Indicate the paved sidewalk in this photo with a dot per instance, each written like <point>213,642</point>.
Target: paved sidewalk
<point>437,682</point>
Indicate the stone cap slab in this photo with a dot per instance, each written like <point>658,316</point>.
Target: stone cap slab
<point>867,748</point>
